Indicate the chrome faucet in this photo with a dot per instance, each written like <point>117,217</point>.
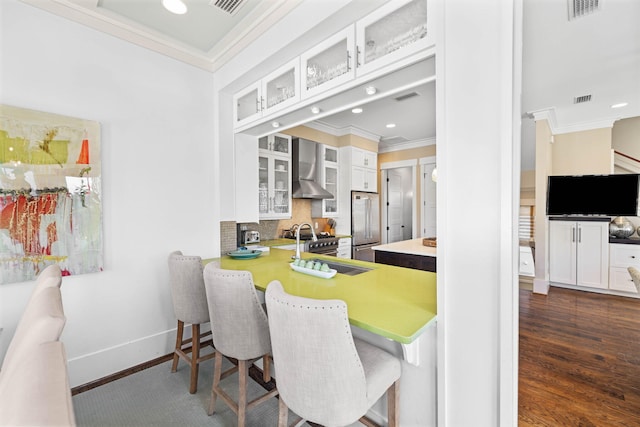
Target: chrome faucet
<point>315,238</point>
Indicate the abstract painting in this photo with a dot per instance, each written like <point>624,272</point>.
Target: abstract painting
<point>50,199</point>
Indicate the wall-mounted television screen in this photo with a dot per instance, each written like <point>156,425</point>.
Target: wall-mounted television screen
<point>608,195</point>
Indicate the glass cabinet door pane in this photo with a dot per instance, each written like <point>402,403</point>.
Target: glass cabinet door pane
<point>263,185</point>
<point>281,194</point>
<point>331,185</point>
<point>330,155</point>
<point>280,144</point>
<point>248,105</point>
<point>328,64</point>
<point>398,29</point>
<point>263,143</point>
<point>281,88</point>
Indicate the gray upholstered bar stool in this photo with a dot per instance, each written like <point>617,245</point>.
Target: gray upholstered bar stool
<point>324,374</point>
<point>241,332</point>
<point>190,307</point>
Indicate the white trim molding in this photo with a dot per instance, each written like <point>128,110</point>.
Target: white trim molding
<point>406,145</point>
<point>550,115</point>
<point>399,164</point>
<point>347,130</point>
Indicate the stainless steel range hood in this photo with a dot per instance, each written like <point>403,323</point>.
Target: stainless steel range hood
<point>304,167</point>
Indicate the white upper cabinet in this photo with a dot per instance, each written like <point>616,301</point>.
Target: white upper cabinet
<point>383,42</point>
<point>364,158</point>
<point>395,30</point>
<point>274,92</point>
<point>328,64</point>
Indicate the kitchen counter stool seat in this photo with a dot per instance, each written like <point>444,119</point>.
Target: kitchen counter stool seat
<point>241,332</point>
<point>190,307</point>
<point>324,374</point>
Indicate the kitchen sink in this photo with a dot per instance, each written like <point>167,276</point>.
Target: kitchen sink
<point>347,269</point>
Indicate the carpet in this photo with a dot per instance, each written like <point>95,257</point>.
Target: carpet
<point>156,397</point>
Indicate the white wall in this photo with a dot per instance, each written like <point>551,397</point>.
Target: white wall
<point>157,182</point>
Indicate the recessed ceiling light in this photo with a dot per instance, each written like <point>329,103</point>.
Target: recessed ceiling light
<point>370,90</point>
<point>175,6</point>
<point>275,124</point>
<point>315,110</point>
<point>391,125</point>
<point>357,110</point>
<point>620,105</point>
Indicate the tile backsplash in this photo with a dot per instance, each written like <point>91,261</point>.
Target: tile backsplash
<point>269,229</point>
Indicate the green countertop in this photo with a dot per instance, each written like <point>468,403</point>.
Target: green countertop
<point>394,302</point>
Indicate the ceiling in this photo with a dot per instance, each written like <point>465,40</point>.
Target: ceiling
<point>597,54</point>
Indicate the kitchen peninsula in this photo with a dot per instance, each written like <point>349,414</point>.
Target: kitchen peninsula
<point>392,307</point>
<point>407,253</point>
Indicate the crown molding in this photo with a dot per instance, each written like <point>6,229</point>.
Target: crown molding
<point>87,12</point>
<point>549,114</point>
<point>347,130</point>
<point>406,145</point>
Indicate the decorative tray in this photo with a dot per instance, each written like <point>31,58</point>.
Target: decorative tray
<point>245,254</point>
<point>324,274</point>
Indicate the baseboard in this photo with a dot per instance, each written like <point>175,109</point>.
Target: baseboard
<point>540,286</point>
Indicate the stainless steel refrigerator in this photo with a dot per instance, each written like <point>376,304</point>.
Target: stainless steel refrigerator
<point>365,224</point>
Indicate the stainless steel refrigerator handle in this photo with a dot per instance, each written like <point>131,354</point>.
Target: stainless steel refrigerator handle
<point>367,230</point>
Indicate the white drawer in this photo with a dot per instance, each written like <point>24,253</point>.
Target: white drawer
<point>620,280</point>
<point>621,255</point>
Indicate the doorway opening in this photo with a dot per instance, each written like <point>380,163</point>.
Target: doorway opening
<point>399,204</point>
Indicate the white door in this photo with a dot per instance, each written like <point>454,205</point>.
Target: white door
<point>428,201</point>
<point>562,252</point>
<point>395,202</point>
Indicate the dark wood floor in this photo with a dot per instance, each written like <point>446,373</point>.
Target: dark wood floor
<point>579,359</point>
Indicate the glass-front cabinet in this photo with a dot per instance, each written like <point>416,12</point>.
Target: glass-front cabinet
<point>274,177</point>
<point>328,167</point>
<point>328,64</point>
<point>274,92</point>
<point>395,30</point>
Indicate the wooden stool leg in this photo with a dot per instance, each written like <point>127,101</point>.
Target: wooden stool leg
<point>195,354</point>
<point>242,392</point>
<point>393,403</point>
<point>266,368</point>
<point>180,331</point>
<point>217,372</point>
<point>283,413</point>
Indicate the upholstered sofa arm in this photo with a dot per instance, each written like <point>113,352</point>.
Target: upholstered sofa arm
<point>36,391</point>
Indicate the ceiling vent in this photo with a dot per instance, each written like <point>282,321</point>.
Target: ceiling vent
<point>228,6</point>
<point>580,8</point>
<point>407,96</point>
<point>581,99</point>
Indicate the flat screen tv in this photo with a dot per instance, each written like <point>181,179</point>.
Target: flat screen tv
<point>607,195</point>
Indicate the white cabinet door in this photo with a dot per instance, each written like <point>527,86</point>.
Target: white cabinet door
<point>593,254</point>
<point>274,177</point>
<point>247,104</point>
<point>398,29</point>
<point>281,88</point>
<point>562,252</point>
<point>579,253</point>
<point>329,178</point>
<point>328,64</point>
